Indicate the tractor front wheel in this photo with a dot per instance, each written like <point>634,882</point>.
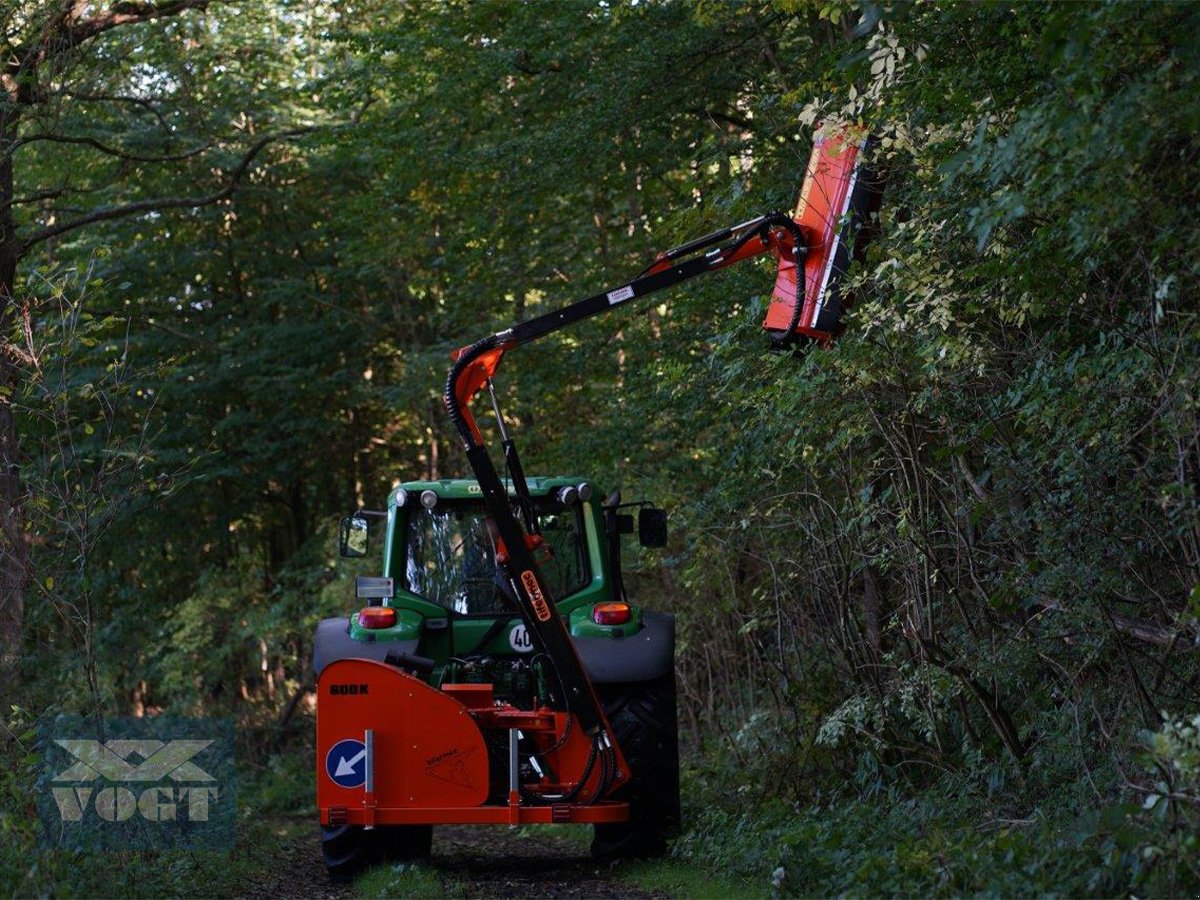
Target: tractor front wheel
<point>348,849</point>
<point>644,720</point>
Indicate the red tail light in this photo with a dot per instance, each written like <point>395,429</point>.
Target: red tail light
<point>611,613</point>
<point>376,617</point>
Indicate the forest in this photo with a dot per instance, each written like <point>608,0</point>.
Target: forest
<point>937,584</point>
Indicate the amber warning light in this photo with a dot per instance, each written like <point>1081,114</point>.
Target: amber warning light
<point>611,613</point>
<point>377,617</point>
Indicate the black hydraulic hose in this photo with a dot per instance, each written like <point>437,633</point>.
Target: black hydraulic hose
<point>570,795</point>
<point>799,252</point>
<point>516,474</point>
<point>798,305</point>
<point>534,600</point>
<point>562,740</point>
<point>607,771</point>
<point>762,228</point>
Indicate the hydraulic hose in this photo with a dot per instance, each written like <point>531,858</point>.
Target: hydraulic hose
<point>569,796</point>
<point>799,251</point>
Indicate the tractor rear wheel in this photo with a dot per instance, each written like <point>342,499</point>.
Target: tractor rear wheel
<point>348,849</point>
<point>644,719</point>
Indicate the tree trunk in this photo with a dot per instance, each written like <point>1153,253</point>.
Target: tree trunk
<point>14,548</point>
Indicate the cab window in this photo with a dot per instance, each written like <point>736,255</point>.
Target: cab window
<point>451,556</point>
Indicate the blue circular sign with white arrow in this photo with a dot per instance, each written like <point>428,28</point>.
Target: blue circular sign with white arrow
<point>346,763</point>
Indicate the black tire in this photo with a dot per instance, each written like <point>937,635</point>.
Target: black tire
<point>346,849</point>
<point>405,843</point>
<point>349,849</point>
<point>644,718</point>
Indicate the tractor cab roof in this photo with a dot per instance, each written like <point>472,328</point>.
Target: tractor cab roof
<point>468,488</point>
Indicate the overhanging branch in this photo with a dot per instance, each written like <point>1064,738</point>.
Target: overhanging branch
<point>106,149</point>
<point>727,117</point>
<point>121,211</point>
<point>1183,637</point>
<point>66,30</point>
<point>128,13</point>
<point>145,103</point>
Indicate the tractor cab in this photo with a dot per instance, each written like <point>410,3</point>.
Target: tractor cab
<point>442,586</point>
<point>442,547</point>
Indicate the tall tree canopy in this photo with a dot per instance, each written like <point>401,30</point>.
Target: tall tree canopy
<point>108,113</point>
<point>955,555</point>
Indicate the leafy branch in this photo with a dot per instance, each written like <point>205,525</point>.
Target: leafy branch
<point>120,211</point>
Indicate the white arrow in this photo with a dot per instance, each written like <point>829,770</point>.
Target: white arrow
<point>346,765</point>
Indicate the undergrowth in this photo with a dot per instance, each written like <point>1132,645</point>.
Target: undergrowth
<point>676,878</point>
<point>406,880</point>
<point>952,836</point>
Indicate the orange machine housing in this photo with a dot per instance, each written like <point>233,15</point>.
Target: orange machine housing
<point>835,201</point>
<point>412,754</point>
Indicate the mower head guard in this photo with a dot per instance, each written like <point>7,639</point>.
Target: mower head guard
<point>836,201</point>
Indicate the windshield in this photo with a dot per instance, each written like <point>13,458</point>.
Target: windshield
<point>451,556</point>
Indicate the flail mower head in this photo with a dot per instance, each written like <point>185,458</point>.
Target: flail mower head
<point>836,201</point>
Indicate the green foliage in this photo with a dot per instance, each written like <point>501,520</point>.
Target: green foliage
<point>937,844</point>
<point>1172,800</point>
<point>283,787</point>
<point>672,878</point>
<point>1176,747</point>
<point>406,880</point>
<point>931,581</point>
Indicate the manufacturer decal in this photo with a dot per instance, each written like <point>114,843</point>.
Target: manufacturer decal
<point>536,597</point>
<point>615,297</point>
<point>451,767</point>
<point>519,639</point>
<point>348,689</point>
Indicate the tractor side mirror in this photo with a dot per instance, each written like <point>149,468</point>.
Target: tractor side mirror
<point>352,537</point>
<point>652,527</point>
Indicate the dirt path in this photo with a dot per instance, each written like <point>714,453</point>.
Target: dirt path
<point>472,861</point>
<point>498,862</point>
<point>300,871</point>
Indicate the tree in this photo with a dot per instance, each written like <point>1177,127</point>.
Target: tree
<point>76,90</point>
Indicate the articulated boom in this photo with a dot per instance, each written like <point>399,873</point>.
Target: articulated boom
<point>812,247</point>
<point>472,733</point>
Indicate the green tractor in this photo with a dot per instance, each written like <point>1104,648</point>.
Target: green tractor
<point>440,611</point>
